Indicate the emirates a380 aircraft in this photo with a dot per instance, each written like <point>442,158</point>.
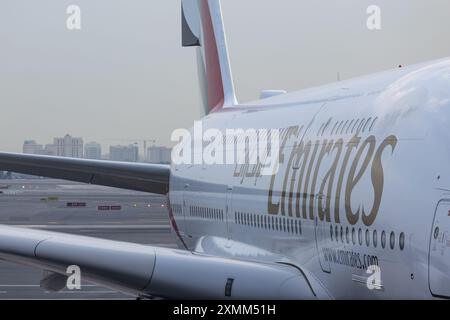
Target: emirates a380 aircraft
<point>359,207</point>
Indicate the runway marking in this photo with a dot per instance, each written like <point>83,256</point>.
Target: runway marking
<point>84,292</point>
<point>36,285</point>
<point>66,299</point>
<point>89,227</point>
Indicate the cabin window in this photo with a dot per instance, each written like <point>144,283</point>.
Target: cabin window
<point>339,127</point>
<point>349,126</point>
<point>402,241</point>
<point>373,123</point>
<point>320,129</point>
<point>345,124</point>
<point>367,124</point>
<point>383,239</point>
<point>367,237</point>
<point>334,127</point>
<point>392,240</point>
<point>361,125</point>
<point>375,238</point>
<point>347,235</point>
<point>355,125</point>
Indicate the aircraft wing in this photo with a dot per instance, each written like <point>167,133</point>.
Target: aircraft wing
<point>148,271</point>
<point>133,176</point>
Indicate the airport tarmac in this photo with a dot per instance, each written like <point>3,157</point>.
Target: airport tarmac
<point>68,207</point>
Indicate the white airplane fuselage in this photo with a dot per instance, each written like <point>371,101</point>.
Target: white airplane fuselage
<point>364,180</point>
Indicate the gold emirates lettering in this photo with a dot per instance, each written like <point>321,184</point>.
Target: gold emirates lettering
<point>300,179</point>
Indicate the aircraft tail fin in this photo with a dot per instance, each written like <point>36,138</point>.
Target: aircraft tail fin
<point>202,27</point>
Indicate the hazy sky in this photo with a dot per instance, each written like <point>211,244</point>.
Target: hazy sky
<point>125,75</point>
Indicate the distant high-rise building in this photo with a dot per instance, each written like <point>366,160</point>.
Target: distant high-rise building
<point>69,146</point>
<point>124,153</point>
<point>50,150</point>
<point>159,154</point>
<point>31,147</point>
<point>93,150</point>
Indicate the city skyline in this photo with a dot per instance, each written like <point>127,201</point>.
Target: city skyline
<point>124,75</point>
<point>69,146</point>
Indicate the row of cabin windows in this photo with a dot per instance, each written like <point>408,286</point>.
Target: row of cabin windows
<point>349,126</point>
<point>266,222</point>
<point>338,234</point>
<point>177,209</point>
<point>206,213</point>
